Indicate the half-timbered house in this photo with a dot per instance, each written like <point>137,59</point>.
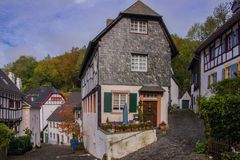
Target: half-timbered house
<point>218,58</point>
<point>48,99</point>
<point>10,102</point>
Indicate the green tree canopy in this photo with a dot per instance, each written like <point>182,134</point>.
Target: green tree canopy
<point>180,64</point>
<point>201,31</point>
<point>23,67</point>
<point>60,72</point>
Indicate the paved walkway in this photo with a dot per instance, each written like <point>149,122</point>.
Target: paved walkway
<point>53,152</point>
<point>178,144</point>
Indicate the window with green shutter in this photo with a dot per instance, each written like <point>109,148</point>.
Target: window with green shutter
<point>108,102</point>
<point>133,102</point>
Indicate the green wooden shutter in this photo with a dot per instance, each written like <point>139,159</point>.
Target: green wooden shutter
<point>108,102</point>
<point>133,102</point>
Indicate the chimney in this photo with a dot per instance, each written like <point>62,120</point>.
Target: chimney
<point>11,76</point>
<point>19,83</point>
<point>109,21</point>
<point>236,6</point>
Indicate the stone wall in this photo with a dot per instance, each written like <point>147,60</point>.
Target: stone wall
<point>116,47</point>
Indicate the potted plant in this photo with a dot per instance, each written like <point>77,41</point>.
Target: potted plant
<point>163,126</point>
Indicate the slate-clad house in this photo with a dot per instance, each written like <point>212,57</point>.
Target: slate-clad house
<point>55,134</point>
<point>48,99</point>
<point>218,57</point>
<point>10,102</point>
<point>128,62</point>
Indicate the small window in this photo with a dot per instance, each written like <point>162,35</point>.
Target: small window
<point>139,63</point>
<point>228,42</point>
<point>235,38</point>
<point>138,26</point>
<point>212,79</point>
<point>119,100</point>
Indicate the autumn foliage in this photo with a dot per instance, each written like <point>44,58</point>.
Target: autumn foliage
<point>68,125</point>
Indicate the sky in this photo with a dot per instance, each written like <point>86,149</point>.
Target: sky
<point>41,27</point>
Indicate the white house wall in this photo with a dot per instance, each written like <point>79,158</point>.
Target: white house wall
<point>89,126</point>
<point>90,78</point>
<point>48,108</point>
<point>194,99</point>
<point>164,105</point>
<point>174,93</point>
<point>54,130</point>
<point>35,126</point>
<point>204,75</point>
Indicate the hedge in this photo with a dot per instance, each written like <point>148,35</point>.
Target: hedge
<point>20,145</point>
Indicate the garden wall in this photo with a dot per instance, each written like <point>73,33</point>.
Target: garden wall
<point>119,145</point>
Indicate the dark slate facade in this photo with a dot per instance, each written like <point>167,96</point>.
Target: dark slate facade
<point>115,52</point>
<point>115,44</point>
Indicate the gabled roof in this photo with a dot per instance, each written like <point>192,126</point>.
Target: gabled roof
<point>176,81</point>
<point>194,60</point>
<point>138,9</point>
<point>73,100</point>
<point>7,85</point>
<point>40,95</point>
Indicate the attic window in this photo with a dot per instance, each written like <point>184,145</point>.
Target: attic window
<point>138,27</point>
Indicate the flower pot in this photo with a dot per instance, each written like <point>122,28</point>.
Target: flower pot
<point>163,127</point>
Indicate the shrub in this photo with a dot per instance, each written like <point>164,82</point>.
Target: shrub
<point>230,156</point>
<point>6,135</point>
<point>221,116</point>
<point>201,147</point>
<point>20,145</point>
<point>228,86</point>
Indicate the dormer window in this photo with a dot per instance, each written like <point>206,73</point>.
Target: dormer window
<point>138,26</point>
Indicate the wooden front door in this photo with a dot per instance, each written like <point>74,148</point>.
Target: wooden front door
<point>150,112</point>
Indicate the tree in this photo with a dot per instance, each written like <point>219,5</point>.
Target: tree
<point>23,67</point>
<point>6,135</point>
<point>180,64</point>
<point>201,31</point>
<point>68,125</point>
<point>60,72</point>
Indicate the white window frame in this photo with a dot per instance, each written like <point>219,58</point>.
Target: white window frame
<point>119,105</point>
<point>135,63</point>
<point>135,26</point>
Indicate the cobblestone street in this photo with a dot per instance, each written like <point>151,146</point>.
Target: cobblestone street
<point>53,152</point>
<point>178,144</point>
